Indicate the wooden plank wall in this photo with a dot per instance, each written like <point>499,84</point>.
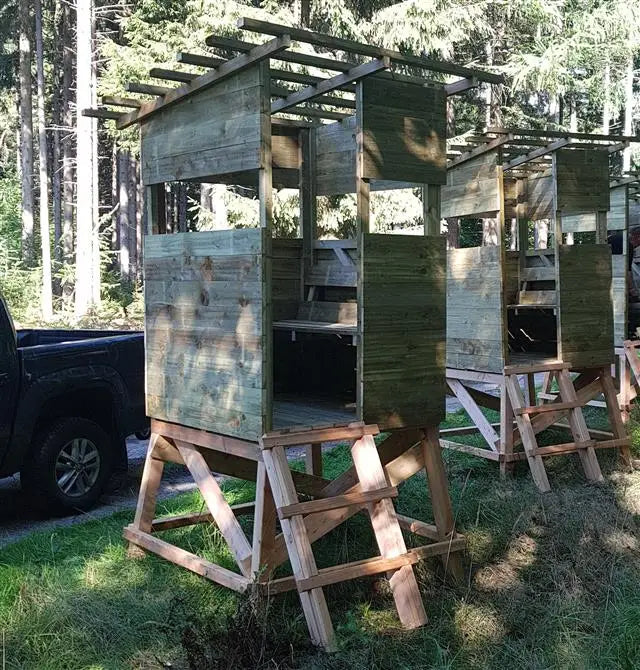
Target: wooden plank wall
<point>335,145</point>
<point>204,329</point>
<point>585,324</point>
<point>401,357</point>
<point>617,219</point>
<point>475,309</point>
<point>216,131</point>
<point>581,180</point>
<point>286,278</point>
<point>472,188</point>
<point>403,131</point>
<point>539,190</point>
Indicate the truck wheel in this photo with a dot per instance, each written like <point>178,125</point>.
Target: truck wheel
<point>70,464</point>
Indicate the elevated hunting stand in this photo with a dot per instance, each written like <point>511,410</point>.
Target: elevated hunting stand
<point>527,311</point>
<point>250,338</point>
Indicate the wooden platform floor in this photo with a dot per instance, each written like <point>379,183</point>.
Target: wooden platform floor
<point>291,410</point>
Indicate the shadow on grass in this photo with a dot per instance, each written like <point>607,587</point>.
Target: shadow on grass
<point>552,582</point>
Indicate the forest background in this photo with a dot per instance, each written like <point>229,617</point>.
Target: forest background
<point>71,202</point>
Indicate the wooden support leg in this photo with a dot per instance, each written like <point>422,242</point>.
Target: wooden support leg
<point>313,460</point>
<point>440,500</point>
<point>615,415</point>
<point>531,388</point>
<point>388,533</point>
<point>624,375</point>
<point>506,431</point>
<point>264,527</point>
<point>299,549</point>
<point>146,508</point>
<point>579,428</point>
<point>218,506</point>
<point>529,442</point>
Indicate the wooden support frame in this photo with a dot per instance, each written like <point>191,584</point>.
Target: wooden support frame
<point>369,485</point>
<point>520,423</point>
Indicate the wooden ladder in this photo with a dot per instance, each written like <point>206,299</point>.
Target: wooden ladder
<point>371,489</point>
<point>567,400</point>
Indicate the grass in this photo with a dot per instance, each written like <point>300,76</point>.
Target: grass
<point>552,582</point>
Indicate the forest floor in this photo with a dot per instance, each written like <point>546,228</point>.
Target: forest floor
<point>552,582</point>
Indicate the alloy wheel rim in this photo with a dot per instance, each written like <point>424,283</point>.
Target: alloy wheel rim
<point>77,467</point>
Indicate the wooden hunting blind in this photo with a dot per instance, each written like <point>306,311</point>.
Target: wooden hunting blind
<point>251,338</point>
<point>531,310</point>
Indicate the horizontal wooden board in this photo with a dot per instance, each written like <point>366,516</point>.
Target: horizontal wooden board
<point>582,180</point>
<point>472,188</point>
<point>335,149</point>
<point>401,357</point>
<point>204,330</point>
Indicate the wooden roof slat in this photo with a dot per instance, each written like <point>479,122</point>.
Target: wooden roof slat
<point>623,181</point>
<point>314,112</point>
<point>537,153</point>
<point>461,85</point>
<point>350,46</point>
<point>172,75</point>
<point>147,89</point>
<point>117,101</point>
<point>332,100</point>
<point>231,67</point>
<point>621,146</point>
<point>312,60</point>
<point>479,150</point>
<point>100,113</point>
<point>198,59</point>
<point>311,92</point>
<point>563,133</point>
<point>307,79</point>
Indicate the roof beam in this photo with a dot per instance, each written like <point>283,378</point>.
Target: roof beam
<point>537,153</point>
<point>311,92</point>
<point>614,148</point>
<point>172,75</point>
<point>204,81</point>
<point>147,89</point>
<point>461,85</point>
<point>313,112</point>
<point>101,113</point>
<point>196,59</point>
<point>562,133</point>
<point>482,149</point>
<point>283,92</point>
<point>340,44</point>
<point>117,101</point>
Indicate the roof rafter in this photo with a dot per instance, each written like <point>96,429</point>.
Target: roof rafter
<point>482,149</point>
<point>537,153</point>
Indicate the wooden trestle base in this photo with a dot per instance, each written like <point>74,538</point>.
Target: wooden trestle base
<point>370,484</point>
<point>523,415</point>
<point>628,366</point>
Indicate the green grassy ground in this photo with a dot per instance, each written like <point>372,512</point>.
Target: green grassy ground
<point>552,582</point>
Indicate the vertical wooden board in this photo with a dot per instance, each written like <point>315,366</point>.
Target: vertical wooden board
<point>472,188</point>
<point>617,216</point>
<point>286,277</point>
<point>216,131</point>
<point>475,315</point>
<point>404,131</point>
<point>582,180</point>
<point>585,310</point>
<point>335,157</point>
<point>402,323</point>
<point>204,330</point>
<point>617,220</point>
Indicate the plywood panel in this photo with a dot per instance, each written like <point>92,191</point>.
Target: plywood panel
<point>585,328</point>
<point>618,212</point>
<point>204,326</point>
<point>216,131</point>
<point>539,197</point>
<point>582,180</point>
<point>335,145</point>
<point>402,353</point>
<point>403,131</point>
<point>472,188</point>
<point>475,314</point>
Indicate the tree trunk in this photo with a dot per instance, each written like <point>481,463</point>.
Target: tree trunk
<point>56,167</point>
<point>218,206</point>
<point>489,232</point>
<point>95,178</point>
<point>182,208</point>
<point>123,214</point>
<point>541,234</point>
<point>573,115</point>
<point>131,218</point>
<point>606,108</point>
<point>628,113</point>
<point>84,163</point>
<point>26,133</point>
<point>67,146</point>
<point>453,233</point>
<point>305,13</point>
<point>45,242</point>
<point>115,229</point>
<point>140,218</point>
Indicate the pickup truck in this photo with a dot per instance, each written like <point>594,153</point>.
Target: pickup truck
<point>68,400</point>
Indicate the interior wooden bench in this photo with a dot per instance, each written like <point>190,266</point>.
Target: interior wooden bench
<point>332,267</point>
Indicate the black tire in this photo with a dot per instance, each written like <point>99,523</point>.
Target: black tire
<point>143,434</point>
<point>42,475</point>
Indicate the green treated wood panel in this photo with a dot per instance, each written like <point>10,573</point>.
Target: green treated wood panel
<point>475,309</point>
<point>286,278</point>
<point>403,132</point>
<point>204,330</point>
<point>214,132</point>
<point>539,190</point>
<point>335,167</point>
<point>585,310</point>
<point>472,188</point>
<point>401,355</point>
<point>581,180</point>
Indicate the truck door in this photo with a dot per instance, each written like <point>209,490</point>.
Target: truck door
<point>9,374</point>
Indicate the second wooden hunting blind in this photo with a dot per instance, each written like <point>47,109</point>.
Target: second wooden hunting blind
<point>250,338</point>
